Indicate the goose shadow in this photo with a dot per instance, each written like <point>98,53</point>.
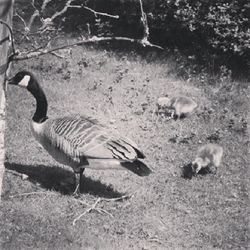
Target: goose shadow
<point>62,180</point>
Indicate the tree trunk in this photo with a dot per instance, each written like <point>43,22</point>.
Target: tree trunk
<point>6,12</point>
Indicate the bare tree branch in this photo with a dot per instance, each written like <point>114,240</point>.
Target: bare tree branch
<point>144,41</point>
<point>23,21</point>
<point>96,13</point>
<point>33,17</point>
<point>65,8</point>
<point>94,39</point>
<point>44,5</point>
<point>49,22</point>
<point>144,22</point>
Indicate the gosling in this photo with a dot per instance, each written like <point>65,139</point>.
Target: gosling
<point>183,106</point>
<point>180,106</point>
<point>207,156</point>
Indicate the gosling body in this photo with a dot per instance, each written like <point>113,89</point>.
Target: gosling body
<point>207,156</point>
<point>182,105</point>
<point>179,106</point>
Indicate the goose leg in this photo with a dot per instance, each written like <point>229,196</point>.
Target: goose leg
<point>80,184</point>
<point>78,178</point>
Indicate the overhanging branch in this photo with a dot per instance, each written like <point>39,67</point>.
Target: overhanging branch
<point>50,22</point>
<point>94,39</point>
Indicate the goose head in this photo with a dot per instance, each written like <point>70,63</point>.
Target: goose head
<point>24,79</point>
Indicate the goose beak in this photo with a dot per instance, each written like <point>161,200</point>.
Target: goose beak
<point>10,81</point>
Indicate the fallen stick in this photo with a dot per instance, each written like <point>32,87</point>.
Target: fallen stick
<point>105,212</point>
<point>86,211</point>
<point>100,210</point>
<point>124,197</point>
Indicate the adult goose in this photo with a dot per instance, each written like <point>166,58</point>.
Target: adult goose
<point>78,141</point>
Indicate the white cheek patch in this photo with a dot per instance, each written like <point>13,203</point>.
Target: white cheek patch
<point>24,82</point>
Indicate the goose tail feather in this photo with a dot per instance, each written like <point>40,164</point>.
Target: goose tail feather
<point>137,167</point>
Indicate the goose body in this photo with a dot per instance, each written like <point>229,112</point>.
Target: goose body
<point>208,155</point>
<point>78,141</point>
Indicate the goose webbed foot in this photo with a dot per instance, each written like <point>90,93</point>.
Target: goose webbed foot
<point>78,186</point>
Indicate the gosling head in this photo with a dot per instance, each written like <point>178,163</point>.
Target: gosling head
<point>163,102</point>
<point>198,164</point>
<point>23,79</point>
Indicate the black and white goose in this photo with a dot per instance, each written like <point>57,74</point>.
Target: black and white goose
<point>77,141</point>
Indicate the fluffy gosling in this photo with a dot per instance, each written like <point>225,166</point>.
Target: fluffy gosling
<point>180,105</point>
<point>207,156</point>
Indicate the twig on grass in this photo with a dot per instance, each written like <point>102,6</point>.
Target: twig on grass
<point>86,211</point>
<point>100,210</point>
<point>156,240</point>
<point>105,212</point>
<point>124,197</point>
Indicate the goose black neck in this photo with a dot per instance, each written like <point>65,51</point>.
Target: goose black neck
<point>41,101</point>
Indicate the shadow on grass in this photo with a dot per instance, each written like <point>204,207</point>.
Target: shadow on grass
<point>62,180</point>
<point>187,172</point>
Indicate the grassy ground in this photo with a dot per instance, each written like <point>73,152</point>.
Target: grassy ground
<point>166,210</point>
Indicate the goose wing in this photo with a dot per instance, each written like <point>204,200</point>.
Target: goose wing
<point>79,136</point>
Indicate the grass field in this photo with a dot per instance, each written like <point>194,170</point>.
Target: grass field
<point>166,211</point>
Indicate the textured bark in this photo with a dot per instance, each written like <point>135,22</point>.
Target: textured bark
<point>6,12</point>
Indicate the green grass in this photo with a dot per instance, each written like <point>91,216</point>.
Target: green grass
<point>166,210</point>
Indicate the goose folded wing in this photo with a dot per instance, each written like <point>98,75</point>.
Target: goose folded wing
<point>83,137</point>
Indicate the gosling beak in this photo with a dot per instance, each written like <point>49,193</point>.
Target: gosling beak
<point>195,168</point>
